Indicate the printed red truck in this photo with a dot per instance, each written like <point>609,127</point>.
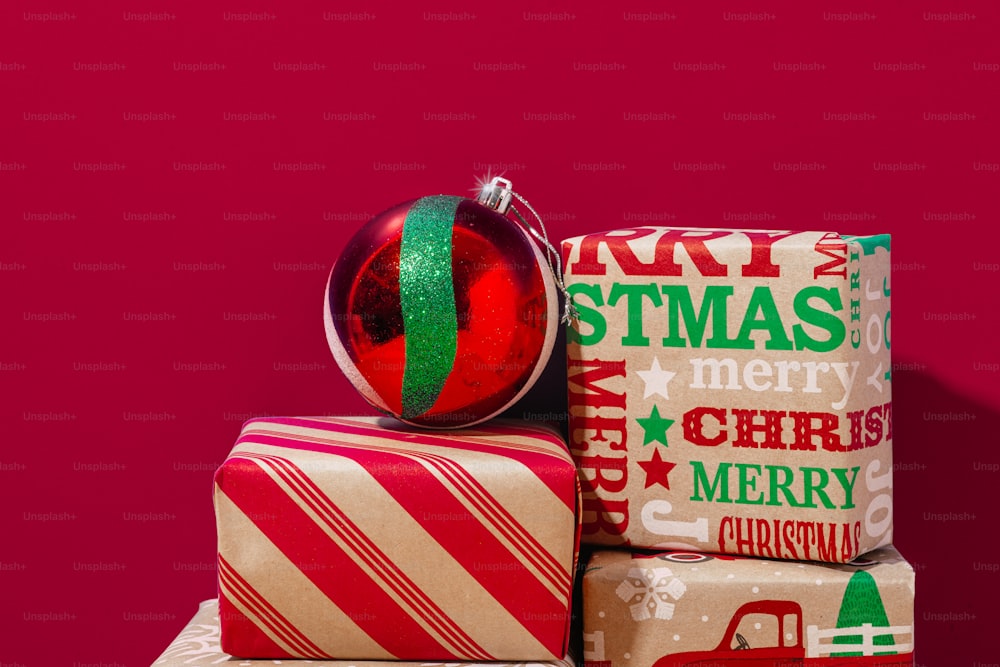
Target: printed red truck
<point>731,391</point>
<point>686,610</point>
<point>786,647</point>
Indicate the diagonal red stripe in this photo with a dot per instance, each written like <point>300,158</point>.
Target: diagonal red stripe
<point>342,579</point>
<point>447,520</point>
<point>261,618</point>
<point>503,521</point>
<point>500,520</point>
<point>485,438</point>
<point>548,466</point>
<point>268,615</point>
<point>474,435</point>
<point>491,564</point>
<point>239,631</point>
<point>496,514</point>
<point>370,554</point>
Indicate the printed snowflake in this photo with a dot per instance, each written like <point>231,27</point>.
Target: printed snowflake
<point>651,590</point>
<point>197,644</point>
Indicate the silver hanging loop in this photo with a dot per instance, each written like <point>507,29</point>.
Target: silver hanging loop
<point>497,195</point>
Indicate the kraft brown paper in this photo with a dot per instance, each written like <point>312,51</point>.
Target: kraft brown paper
<point>363,538</point>
<point>674,609</point>
<point>730,391</point>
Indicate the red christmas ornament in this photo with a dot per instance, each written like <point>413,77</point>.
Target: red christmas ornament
<point>442,311</point>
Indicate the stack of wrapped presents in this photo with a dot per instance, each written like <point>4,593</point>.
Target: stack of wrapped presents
<point>720,494</point>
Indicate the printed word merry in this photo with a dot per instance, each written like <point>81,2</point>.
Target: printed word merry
<point>607,433</point>
<point>758,373</point>
<point>772,485</point>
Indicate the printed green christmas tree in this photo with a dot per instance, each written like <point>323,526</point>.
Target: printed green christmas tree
<point>862,604</point>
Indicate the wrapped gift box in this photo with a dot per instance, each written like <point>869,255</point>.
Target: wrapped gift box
<point>730,391</point>
<point>367,539</point>
<point>677,609</point>
<point>198,645</point>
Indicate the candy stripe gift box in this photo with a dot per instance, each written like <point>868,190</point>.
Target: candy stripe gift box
<point>364,538</point>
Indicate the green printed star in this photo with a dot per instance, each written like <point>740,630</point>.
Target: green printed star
<point>654,427</point>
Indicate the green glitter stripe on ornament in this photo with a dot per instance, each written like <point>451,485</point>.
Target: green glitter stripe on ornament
<point>427,299</point>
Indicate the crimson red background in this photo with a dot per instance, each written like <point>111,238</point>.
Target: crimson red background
<point>177,178</point>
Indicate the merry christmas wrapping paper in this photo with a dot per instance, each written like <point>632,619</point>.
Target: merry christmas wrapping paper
<point>730,391</point>
<point>363,538</point>
<point>198,646</point>
<point>682,609</point>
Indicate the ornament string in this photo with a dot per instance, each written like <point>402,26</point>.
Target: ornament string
<point>497,195</point>
<point>569,309</point>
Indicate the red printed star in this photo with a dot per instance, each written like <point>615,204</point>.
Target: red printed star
<point>656,470</point>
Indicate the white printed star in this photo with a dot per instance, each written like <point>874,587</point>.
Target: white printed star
<point>656,380</point>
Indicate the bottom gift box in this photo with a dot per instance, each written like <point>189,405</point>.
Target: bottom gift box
<point>198,644</point>
<point>674,609</point>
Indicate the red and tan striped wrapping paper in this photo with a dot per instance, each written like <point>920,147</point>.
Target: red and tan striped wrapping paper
<point>198,646</point>
<point>362,538</point>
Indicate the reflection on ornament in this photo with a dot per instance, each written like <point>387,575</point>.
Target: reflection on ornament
<point>441,312</point>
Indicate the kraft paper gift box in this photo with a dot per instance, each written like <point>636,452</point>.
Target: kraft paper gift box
<point>367,539</point>
<point>198,646</point>
<point>730,391</point>
<point>677,609</point>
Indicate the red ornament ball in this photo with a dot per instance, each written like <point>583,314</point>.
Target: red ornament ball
<point>441,312</point>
